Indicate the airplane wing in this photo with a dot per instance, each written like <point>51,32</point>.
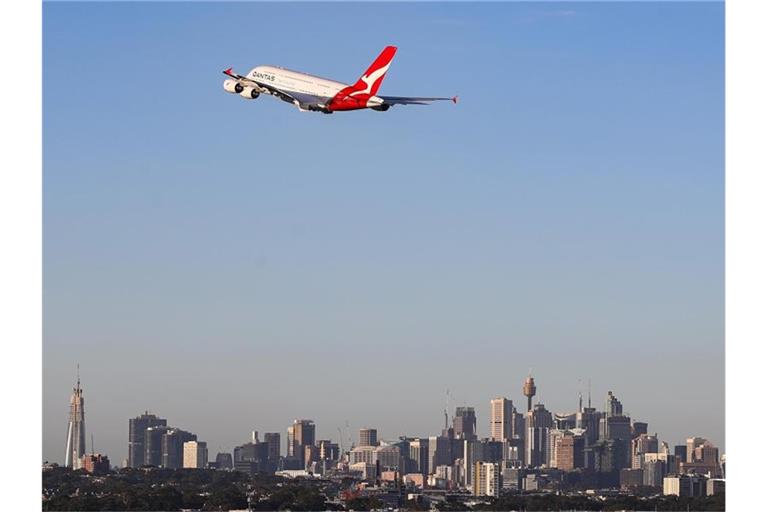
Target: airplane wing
<point>403,100</point>
<point>301,100</point>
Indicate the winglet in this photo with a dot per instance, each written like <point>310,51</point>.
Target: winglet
<point>228,71</point>
<point>455,99</point>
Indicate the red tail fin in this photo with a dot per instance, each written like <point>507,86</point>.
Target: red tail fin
<point>371,80</point>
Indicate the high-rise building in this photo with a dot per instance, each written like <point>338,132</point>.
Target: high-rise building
<point>681,451</point>
<point>588,419</point>
<point>273,441</point>
<point>328,450</point>
<point>538,421</point>
<point>613,406</point>
<point>569,450</point>
<point>439,452</point>
<point>137,428</point>
<point>641,445</point>
<point>368,437</point>
<point>224,460</point>
<point>465,423</point>
<point>486,479</point>
<point>153,445</point>
<point>529,390</point>
<point>195,454</point>
<point>702,457</point>
<point>639,427</point>
<point>419,454</point>
<point>76,428</point>
<point>300,434</point>
<point>506,422</point>
<point>173,447</point>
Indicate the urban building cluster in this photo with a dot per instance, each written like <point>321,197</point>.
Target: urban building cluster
<point>525,450</point>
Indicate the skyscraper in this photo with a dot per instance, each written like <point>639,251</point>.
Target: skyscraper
<point>506,422</point>
<point>195,455</point>
<point>153,445</point>
<point>465,423</point>
<point>173,447</point>
<point>76,429</point>
<point>300,434</point>
<point>538,421</point>
<point>273,441</point>
<point>368,437</point>
<point>137,428</point>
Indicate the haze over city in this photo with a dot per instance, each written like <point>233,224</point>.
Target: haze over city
<point>233,266</point>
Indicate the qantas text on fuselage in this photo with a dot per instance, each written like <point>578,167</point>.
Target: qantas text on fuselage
<point>313,93</point>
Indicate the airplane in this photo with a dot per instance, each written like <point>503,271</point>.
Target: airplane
<point>312,93</point>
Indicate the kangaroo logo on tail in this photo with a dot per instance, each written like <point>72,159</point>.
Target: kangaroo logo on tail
<point>371,80</point>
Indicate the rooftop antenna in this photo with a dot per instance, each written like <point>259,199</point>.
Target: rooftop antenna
<point>581,408</point>
<point>589,403</point>
<point>445,409</point>
<point>93,452</point>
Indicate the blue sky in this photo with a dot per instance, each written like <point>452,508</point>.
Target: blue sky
<point>233,265</point>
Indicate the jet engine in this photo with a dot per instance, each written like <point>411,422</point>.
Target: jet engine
<point>233,86</point>
<point>249,93</point>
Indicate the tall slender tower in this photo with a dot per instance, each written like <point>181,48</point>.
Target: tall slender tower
<point>76,428</point>
<point>529,390</point>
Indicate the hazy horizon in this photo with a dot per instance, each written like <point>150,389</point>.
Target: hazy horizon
<point>233,265</point>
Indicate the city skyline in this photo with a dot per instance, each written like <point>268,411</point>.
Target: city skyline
<point>228,265</point>
<point>350,436</point>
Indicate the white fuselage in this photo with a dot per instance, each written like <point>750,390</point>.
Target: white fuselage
<point>293,81</point>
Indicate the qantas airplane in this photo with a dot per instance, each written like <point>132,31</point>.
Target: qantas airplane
<point>312,93</point>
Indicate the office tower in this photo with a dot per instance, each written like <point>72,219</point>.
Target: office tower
<point>439,452</point>
<point>273,440</point>
<point>564,421</point>
<point>690,445</point>
<point>173,447</point>
<point>254,436</point>
<point>76,428</point>
<point>137,428</point>
<point>195,454</point>
<point>465,423</point>
<point>529,390</point>
<point>388,457</point>
<point>311,454</point>
<point>641,445</point>
<point>608,455</point>
<point>300,434</point>
<point>681,451</point>
<point>253,457</point>
<point>328,450</point>
<point>702,457</point>
<point>419,453</point>
<point>569,450</point>
<point>486,479</point>
<point>538,421</point>
<point>616,427</point>
<point>364,454</point>
<point>653,473</point>
<point>639,427</point>
<point>368,437</point>
<point>613,406</point>
<point>153,445</point>
<point>506,422</point>
<point>589,420</point>
<point>224,460</point>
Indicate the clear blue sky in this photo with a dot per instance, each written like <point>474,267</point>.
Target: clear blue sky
<point>232,265</point>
